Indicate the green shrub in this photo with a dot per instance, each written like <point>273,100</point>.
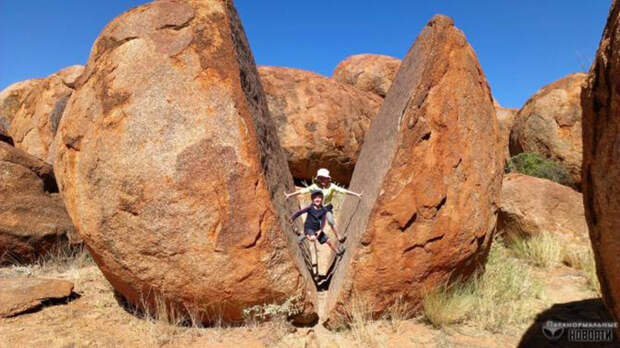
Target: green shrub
<point>532,164</point>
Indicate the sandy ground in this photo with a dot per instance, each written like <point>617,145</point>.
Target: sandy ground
<point>94,318</point>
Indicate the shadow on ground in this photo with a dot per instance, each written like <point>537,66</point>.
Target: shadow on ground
<point>591,310</point>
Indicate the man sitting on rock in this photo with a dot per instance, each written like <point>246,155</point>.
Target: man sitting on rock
<point>323,183</point>
<point>316,215</point>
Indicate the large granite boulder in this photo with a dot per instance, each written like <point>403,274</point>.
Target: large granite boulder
<point>32,109</point>
<point>431,173</point>
<point>531,206</point>
<point>550,124</point>
<point>601,159</point>
<point>171,167</point>
<point>368,72</point>
<point>33,219</point>
<point>321,123</point>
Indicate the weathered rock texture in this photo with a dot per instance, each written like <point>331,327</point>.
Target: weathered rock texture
<point>601,159</point>
<point>32,109</point>
<point>550,124</point>
<point>33,219</point>
<point>18,295</point>
<point>321,123</point>
<point>531,206</point>
<point>431,192</point>
<point>368,72</point>
<point>506,120</point>
<point>171,168</point>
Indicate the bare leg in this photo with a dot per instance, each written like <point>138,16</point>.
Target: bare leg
<point>331,245</point>
<point>332,225</point>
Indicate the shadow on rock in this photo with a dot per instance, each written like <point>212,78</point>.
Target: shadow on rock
<point>589,311</point>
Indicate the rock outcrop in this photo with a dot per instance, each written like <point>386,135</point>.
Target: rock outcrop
<point>531,206</point>
<point>431,194</point>
<point>506,120</point>
<point>18,295</point>
<point>171,167</point>
<point>33,219</point>
<point>601,160</point>
<point>368,72</point>
<point>32,109</point>
<point>320,122</point>
<point>550,124</point>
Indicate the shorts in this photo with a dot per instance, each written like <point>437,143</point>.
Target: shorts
<point>322,237</point>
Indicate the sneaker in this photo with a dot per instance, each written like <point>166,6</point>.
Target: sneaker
<point>343,239</point>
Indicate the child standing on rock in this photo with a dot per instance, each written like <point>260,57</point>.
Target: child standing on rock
<point>315,222</point>
<point>323,183</point>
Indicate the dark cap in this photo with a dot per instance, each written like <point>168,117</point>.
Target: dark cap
<point>315,193</point>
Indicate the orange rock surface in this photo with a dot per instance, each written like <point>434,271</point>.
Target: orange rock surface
<point>321,123</point>
<point>368,72</point>
<point>550,124</point>
<point>431,176</point>
<point>33,219</point>
<point>32,110</point>
<point>531,206</point>
<point>171,168</point>
<point>601,160</point>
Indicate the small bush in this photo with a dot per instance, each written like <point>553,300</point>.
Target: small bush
<point>533,164</point>
<point>583,259</point>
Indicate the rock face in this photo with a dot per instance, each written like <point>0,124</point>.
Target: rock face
<point>601,160</point>
<point>431,194</point>
<point>18,295</point>
<point>506,119</point>
<point>550,124</point>
<point>32,109</point>
<point>33,219</point>
<point>368,72</point>
<point>320,122</point>
<point>171,168</point>
<point>531,206</point>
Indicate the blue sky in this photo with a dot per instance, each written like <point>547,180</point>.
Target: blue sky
<point>522,45</point>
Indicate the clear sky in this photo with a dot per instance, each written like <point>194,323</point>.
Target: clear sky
<point>522,45</point>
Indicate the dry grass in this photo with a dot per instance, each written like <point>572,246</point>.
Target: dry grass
<point>505,294</point>
<point>543,250</point>
<point>582,258</point>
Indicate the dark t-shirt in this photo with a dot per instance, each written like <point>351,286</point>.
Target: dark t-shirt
<point>315,218</point>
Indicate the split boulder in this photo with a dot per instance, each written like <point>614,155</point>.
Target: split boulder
<point>431,194</point>
<point>171,167</point>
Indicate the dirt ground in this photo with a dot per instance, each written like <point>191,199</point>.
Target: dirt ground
<point>94,318</point>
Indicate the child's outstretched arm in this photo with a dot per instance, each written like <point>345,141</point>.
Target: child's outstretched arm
<point>345,191</point>
<point>303,190</point>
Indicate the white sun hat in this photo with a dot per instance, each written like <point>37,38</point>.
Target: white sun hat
<point>323,173</point>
